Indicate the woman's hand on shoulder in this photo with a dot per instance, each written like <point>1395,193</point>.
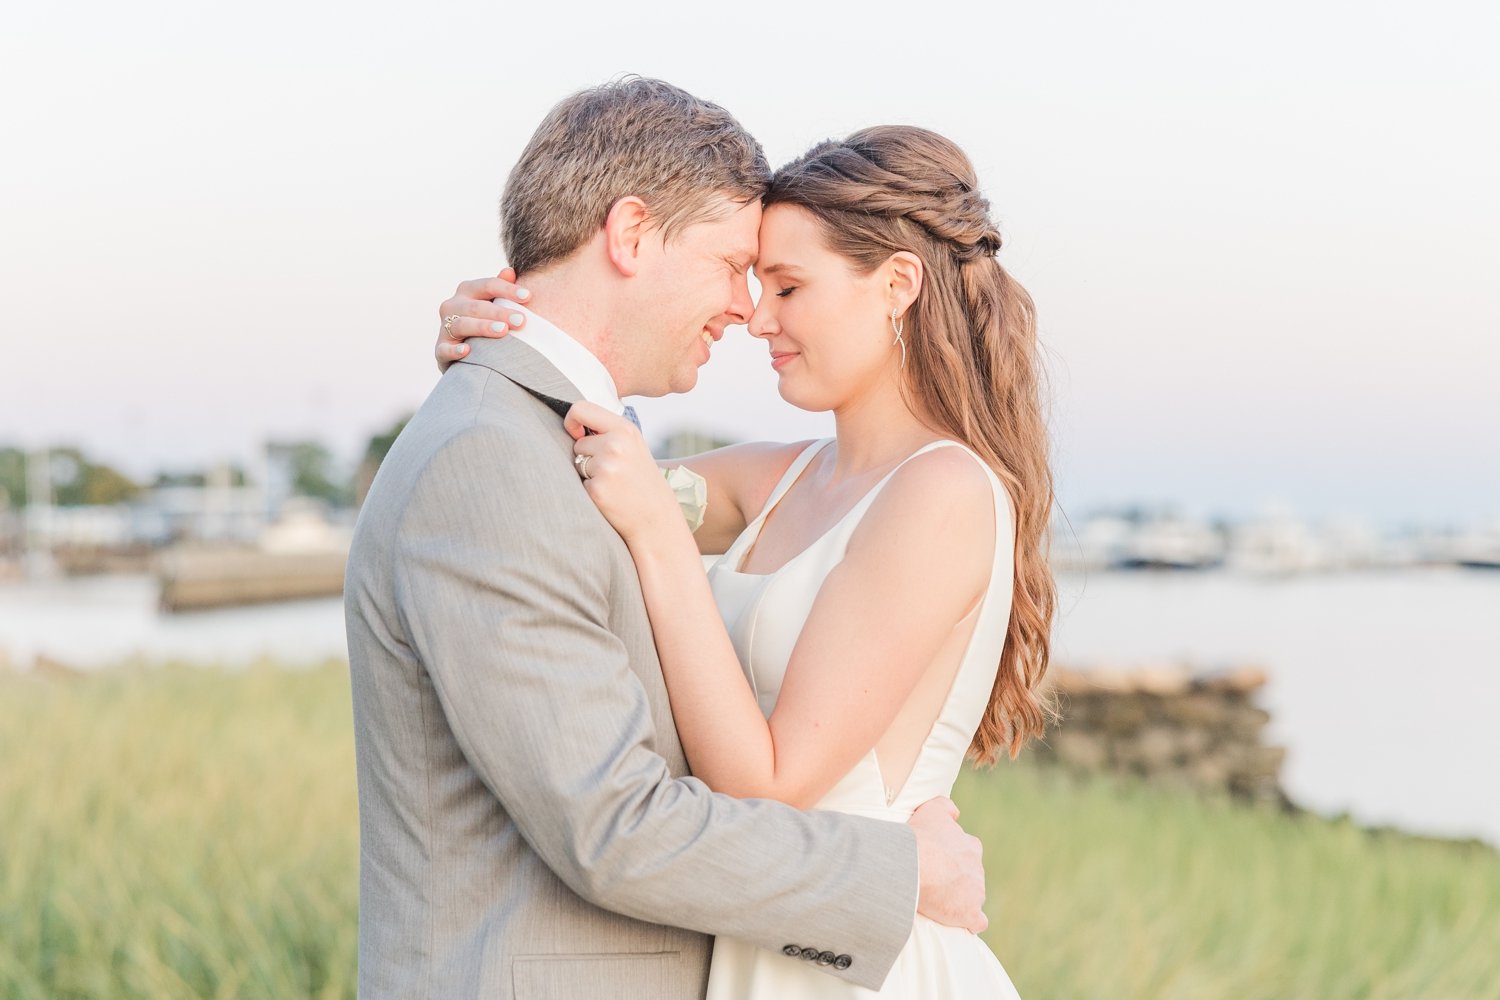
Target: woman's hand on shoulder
<point>620,475</point>
<point>483,307</point>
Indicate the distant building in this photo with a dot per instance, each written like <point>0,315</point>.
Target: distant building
<point>685,443</point>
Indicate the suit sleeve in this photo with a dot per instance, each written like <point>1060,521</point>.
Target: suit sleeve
<point>540,697</point>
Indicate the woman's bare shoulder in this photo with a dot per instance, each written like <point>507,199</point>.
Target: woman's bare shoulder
<point>940,507</point>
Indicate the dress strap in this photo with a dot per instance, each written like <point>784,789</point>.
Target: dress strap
<point>1004,506</point>
<point>1004,509</point>
<point>869,498</point>
<point>794,470</point>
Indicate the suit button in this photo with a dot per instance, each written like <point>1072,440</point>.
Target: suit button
<point>791,951</point>
<point>825,958</point>
<point>842,962</point>
<point>811,954</point>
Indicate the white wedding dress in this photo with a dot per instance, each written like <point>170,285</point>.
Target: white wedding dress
<point>764,614</point>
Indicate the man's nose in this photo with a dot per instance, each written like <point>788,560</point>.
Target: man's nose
<point>741,306</point>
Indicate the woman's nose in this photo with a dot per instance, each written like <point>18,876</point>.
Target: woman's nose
<point>761,322</point>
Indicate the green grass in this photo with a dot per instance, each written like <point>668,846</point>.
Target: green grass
<point>1101,888</point>
<point>178,833</point>
<point>182,832</point>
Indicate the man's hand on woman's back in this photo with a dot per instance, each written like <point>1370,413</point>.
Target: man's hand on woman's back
<point>950,867</point>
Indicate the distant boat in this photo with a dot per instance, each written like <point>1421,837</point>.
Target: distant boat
<point>1276,545</point>
<point>1172,543</point>
<point>195,578</point>
<point>300,556</point>
<point>1478,549</point>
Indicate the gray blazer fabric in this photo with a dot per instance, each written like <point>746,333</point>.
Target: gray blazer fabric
<point>527,825</point>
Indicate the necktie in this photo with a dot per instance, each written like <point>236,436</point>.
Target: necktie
<point>630,415</point>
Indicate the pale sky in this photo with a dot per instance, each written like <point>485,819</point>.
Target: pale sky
<point>1262,238</point>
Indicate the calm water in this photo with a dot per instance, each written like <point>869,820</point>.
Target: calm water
<point>1385,687</point>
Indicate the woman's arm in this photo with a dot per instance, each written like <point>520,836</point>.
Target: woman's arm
<point>914,567</point>
<point>740,480</point>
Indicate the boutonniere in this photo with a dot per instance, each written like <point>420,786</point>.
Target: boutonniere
<point>691,491</point>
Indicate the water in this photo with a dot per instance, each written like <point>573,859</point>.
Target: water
<point>1385,687</point>
<point>93,622</point>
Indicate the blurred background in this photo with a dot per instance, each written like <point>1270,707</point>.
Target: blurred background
<point>1261,244</point>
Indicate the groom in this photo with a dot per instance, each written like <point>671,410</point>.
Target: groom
<point>528,825</point>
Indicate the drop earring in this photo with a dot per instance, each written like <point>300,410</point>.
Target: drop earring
<point>898,326</point>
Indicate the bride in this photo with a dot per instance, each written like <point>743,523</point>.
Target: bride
<point>883,602</point>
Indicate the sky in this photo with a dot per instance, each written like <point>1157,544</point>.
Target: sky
<point>1261,238</point>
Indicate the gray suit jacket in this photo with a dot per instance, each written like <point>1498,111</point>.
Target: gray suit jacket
<point>527,825</point>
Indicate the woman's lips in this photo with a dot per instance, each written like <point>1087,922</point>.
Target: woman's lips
<point>779,359</point>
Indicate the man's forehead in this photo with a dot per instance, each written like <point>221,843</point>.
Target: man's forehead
<point>736,236</point>
<point>741,250</point>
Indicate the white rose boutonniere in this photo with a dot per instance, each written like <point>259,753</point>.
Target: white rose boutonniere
<point>691,491</point>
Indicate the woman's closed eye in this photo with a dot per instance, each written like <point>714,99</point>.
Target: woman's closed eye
<point>786,291</point>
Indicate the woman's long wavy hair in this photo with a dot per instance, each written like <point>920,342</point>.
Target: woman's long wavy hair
<point>972,359</point>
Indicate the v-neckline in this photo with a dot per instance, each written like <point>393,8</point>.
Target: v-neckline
<point>765,515</point>
<point>760,522</point>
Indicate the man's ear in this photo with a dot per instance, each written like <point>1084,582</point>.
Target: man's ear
<point>624,229</point>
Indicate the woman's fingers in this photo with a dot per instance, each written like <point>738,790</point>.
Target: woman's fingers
<point>465,318</point>
<point>482,307</point>
<point>499,311</point>
<point>502,286</point>
<point>585,417</point>
<point>461,327</point>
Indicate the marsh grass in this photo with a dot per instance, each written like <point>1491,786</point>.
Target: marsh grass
<point>177,832</point>
<point>181,832</point>
<point>1103,888</point>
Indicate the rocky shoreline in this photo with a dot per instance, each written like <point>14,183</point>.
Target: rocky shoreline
<point>1175,726</point>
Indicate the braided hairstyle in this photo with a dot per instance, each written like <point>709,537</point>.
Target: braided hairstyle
<point>973,370</point>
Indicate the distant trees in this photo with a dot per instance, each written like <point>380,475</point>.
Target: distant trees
<point>236,477</point>
<point>293,468</point>
<point>310,466</point>
<point>76,481</point>
<point>375,452</point>
<point>12,477</point>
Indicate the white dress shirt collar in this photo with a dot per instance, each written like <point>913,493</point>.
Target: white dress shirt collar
<point>576,363</point>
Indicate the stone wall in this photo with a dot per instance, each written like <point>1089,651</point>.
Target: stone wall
<point>1166,724</point>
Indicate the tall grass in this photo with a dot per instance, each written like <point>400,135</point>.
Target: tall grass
<point>183,832</point>
<point>177,833</point>
<point>1099,888</point>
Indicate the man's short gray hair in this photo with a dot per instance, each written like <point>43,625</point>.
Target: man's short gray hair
<point>633,136</point>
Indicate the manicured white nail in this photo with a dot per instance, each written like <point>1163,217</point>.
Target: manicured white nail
<point>516,319</point>
<point>522,293</point>
<point>497,327</point>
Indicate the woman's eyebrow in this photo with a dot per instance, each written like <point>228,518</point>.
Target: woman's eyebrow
<point>775,268</point>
